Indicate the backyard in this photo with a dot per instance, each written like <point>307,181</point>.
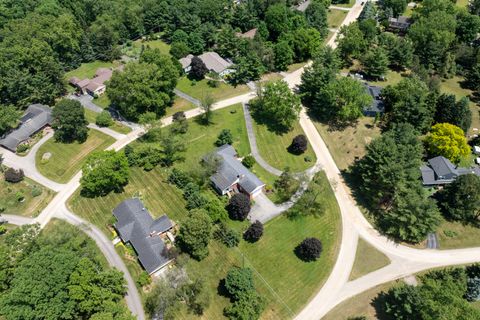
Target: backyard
<point>133,49</point>
<point>179,104</point>
<point>200,89</point>
<point>87,70</point>
<point>455,235</point>
<point>91,117</point>
<point>67,158</point>
<point>25,198</point>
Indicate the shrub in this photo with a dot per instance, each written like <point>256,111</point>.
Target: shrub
<point>179,178</point>
<point>3,229</point>
<point>36,191</point>
<point>225,137</point>
<point>239,281</point>
<point>144,279</point>
<point>14,176</point>
<point>254,232</point>
<point>22,147</point>
<point>227,236</point>
<point>248,161</point>
<point>299,144</point>
<point>213,83</point>
<point>309,249</point>
<point>239,206</point>
<point>19,196</point>
<point>104,119</point>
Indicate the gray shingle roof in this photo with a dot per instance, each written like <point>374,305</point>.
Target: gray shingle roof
<point>135,225</point>
<point>36,117</point>
<point>232,170</point>
<point>377,105</point>
<point>441,171</point>
<point>442,166</point>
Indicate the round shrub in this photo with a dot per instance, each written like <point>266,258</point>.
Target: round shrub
<point>239,206</point>
<point>309,249</point>
<point>299,144</point>
<point>248,161</point>
<point>14,176</point>
<point>254,232</point>
<point>104,119</point>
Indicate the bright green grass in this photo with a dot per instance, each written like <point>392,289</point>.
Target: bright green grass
<point>102,101</point>
<point>67,158</point>
<point>179,104</point>
<point>91,117</point>
<point>454,235</point>
<point>31,206</point>
<point>391,78</point>
<point>335,17</point>
<point>367,259</point>
<point>292,281</point>
<point>87,70</point>
<point>273,148</point>
<point>295,66</point>
<point>200,89</point>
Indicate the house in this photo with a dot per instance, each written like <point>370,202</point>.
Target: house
<point>250,34</point>
<point>212,61</point>
<point>35,118</point>
<point>377,106</point>
<point>136,226</point>
<point>440,171</point>
<point>96,85</point>
<point>233,176</point>
<point>400,24</point>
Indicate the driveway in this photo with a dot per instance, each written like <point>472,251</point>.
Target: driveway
<point>86,101</point>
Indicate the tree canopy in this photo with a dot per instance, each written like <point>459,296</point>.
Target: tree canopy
<point>69,121</point>
<point>447,140</point>
<point>195,234</point>
<point>460,200</point>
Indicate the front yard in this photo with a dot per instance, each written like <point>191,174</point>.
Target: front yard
<point>91,117</point>
<point>67,158</point>
<point>87,70</point>
<point>25,198</point>
<point>200,89</point>
<point>335,17</point>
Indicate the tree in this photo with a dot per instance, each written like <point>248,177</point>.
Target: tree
<point>248,161</point>
<point>304,42</point>
<point>277,106</point>
<point>277,20</point>
<point>468,26</point>
<point>227,236</point>
<point>104,119</point>
<point>254,232</point>
<point>472,78</point>
<point>351,43</point>
<point>9,116</point>
<point>206,105</point>
<point>309,249</point>
<point>247,68</point>
<point>454,112</point>
<point>375,63</point>
<point>142,87</point>
<point>179,123</point>
<point>316,15</point>
<point>172,148</point>
<point>13,176</point>
<point>396,7</point>
<point>460,200</point>
<point>286,184</point>
<point>299,144</point>
<point>103,172</point>
<point>225,137</point>
<point>69,121</point>
<point>447,140</point>
<point>104,37</point>
<point>179,50</point>
<point>198,68</point>
<point>239,206</point>
<point>283,55</point>
<point>239,281</point>
<point>195,234</point>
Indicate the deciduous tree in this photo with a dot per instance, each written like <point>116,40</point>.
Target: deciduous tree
<point>195,234</point>
<point>309,249</point>
<point>69,121</point>
<point>447,140</point>
<point>460,200</point>
<point>239,206</point>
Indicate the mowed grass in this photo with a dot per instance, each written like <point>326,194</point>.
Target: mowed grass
<point>367,259</point>
<point>31,206</point>
<point>200,89</point>
<point>454,235</point>
<point>67,158</point>
<point>91,117</point>
<point>273,148</point>
<point>152,187</point>
<point>348,144</point>
<point>179,104</point>
<point>295,66</point>
<point>87,70</point>
<point>335,17</point>
<point>103,101</point>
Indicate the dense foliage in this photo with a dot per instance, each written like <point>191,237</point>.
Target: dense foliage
<point>460,200</point>
<point>239,206</point>
<point>12,175</point>
<point>309,249</point>
<point>299,144</point>
<point>447,140</point>
<point>254,232</point>
<point>69,121</point>
<point>195,234</point>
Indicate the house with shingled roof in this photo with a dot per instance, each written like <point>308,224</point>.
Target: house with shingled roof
<point>440,171</point>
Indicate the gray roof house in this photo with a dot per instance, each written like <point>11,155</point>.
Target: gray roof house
<point>35,118</point>
<point>232,175</point>
<point>440,171</point>
<point>212,61</point>
<point>401,23</point>
<point>136,225</point>
<point>377,106</point>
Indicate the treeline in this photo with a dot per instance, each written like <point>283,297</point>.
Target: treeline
<point>58,274</point>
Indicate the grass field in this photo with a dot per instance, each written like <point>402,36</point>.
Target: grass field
<point>367,259</point>
<point>350,143</point>
<point>391,78</point>
<point>91,117</point>
<point>87,70</point>
<point>136,47</point>
<point>67,159</point>
<point>31,205</point>
<point>454,235</point>
<point>179,104</point>
<point>102,101</point>
<point>335,17</point>
<point>273,148</point>
<point>200,89</point>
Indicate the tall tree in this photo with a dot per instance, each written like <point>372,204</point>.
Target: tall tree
<point>9,116</point>
<point>375,63</point>
<point>69,121</point>
<point>460,200</point>
<point>351,42</point>
<point>454,112</point>
<point>198,68</point>
<point>195,234</point>
<point>316,15</point>
<point>447,140</point>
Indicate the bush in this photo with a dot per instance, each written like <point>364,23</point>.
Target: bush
<point>36,191</point>
<point>225,137</point>
<point>248,161</point>
<point>213,83</point>
<point>104,119</point>
<point>239,206</point>
<point>14,176</point>
<point>23,147</point>
<point>299,144</point>
<point>239,281</point>
<point>19,196</point>
<point>144,279</point>
<point>227,236</point>
<point>254,232</point>
<point>179,178</point>
<point>3,229</point>
<point>309,249</point>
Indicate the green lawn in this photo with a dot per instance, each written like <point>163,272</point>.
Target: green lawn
<point>335,17</point>
<point>454,235</point>
<point>67,159</point>
<point>102,101</point>
<point>347,144</point>
<point>273,148</point>
<point>31,205</point>
<point>179,104</point>
<point>91,117</point>
<point>391,78</point>
<point>345,5</point>
<point>200,89</point>
<point>367,259</point>
<point>295,66</point>
<point>136,47</point>
<point>87,70</point>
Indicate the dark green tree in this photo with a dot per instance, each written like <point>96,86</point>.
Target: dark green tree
<point>460,201</point>
<point>195,234</point>
<point>454,112</point>
<point>9,116</point>
<point>283,55</point>
<point>316,15</point>
<point>69,121</point>
<point>239,281</point>
<point>225,137</point>
<point>375,63</point>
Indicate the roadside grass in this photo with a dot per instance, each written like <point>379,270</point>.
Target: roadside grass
<point>345,5</point>
<point>348,144</point>
<point>67,158</point>
<point>273,148</point>
<point>360,305</point>
<point>200,89</point>
<point>179,104</point>
<point>91,117</point>
<point>295,66</point>
<point>31,205</point>
<point>102,101</point>
<point>88,69</point>
<point>335,17</point>
<point>367,259</point>
<point>455,235</point>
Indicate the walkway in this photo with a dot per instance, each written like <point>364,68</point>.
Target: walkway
<point>109,132</point>
<point>185,96</point>
<point>17,220</point>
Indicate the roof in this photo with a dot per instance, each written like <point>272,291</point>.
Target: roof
<point>303,6</point>
<point>94,86</point>
<point>34,119</point>
<point>440,170</point>
<point>102,75</point>
<point>231,171</point>
<point>136,225</point>
<point>442,166</point>
<point>400,22</point>
<point>214,62</point>
<point>83,83</point>
<point>377,105</point>
<point>185,62</point>
<point>250,34</point>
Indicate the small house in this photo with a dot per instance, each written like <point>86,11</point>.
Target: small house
<point>400,24</point>
<point>377,107</point>
<point>212,61</point>
<point>440,171</point>
<point>96,85</point>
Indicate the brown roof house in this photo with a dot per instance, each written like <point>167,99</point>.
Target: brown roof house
<point>95,86</point>
<point>400,24</point>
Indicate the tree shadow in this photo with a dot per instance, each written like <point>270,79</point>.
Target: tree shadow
<point>271,125</point>
<point>378,303</point>
<point>222,290</point>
